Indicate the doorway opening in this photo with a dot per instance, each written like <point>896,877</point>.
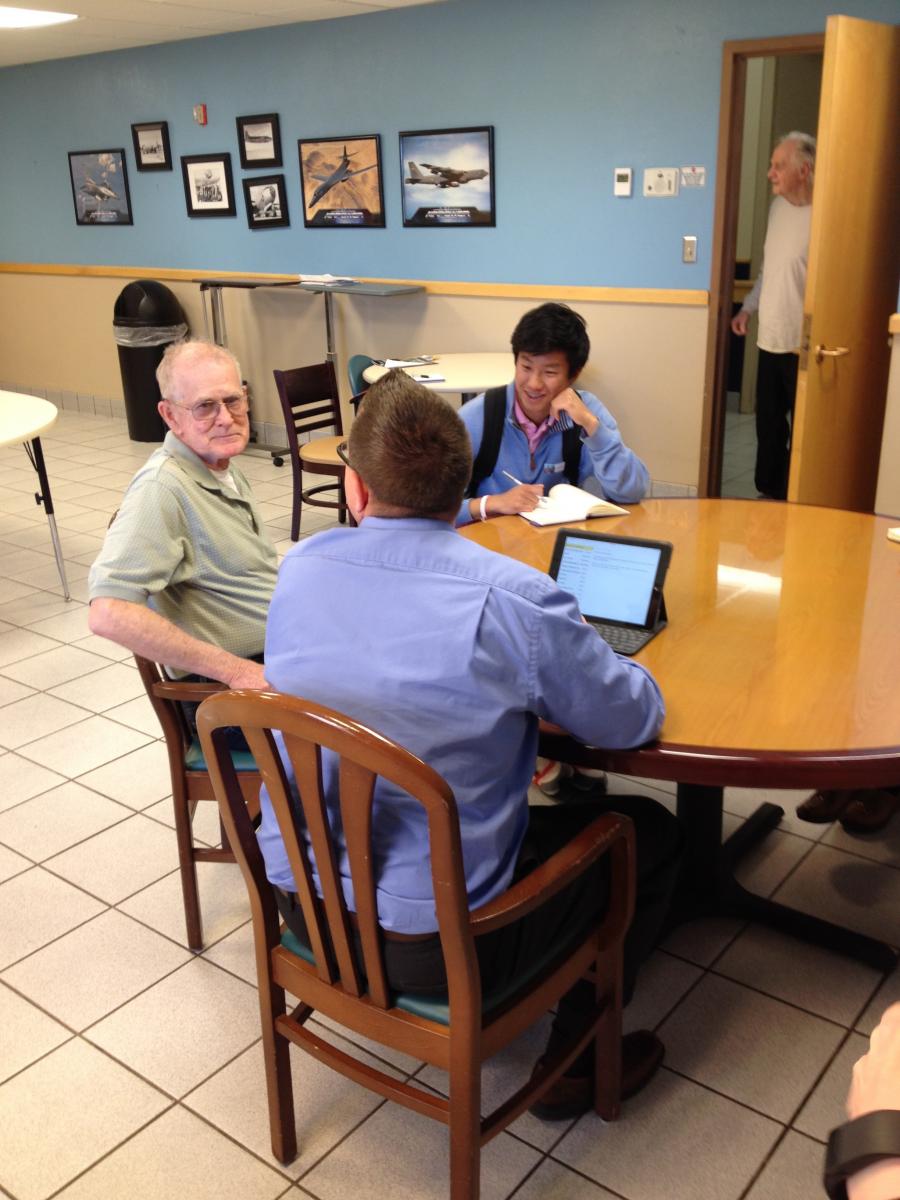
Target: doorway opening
<point>769,87</point>
<point>781,95</point>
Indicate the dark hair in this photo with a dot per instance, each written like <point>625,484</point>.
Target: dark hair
<point>553,327</point>
<point>410,448</point>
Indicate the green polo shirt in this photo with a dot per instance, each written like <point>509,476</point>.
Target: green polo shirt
<point>193,549</point>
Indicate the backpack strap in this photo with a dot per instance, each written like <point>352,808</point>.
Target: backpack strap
<point>571,445</point>
<point>491,436</point>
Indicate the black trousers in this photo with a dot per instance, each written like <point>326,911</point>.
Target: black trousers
<point>233,734</point>
<point>418,966</point>
<point>776,387</point>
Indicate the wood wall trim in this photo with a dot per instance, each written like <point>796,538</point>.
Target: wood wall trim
<point>695,298</point>
<point>894,324</point>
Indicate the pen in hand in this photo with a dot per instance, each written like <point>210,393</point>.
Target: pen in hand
<point>542,500</point>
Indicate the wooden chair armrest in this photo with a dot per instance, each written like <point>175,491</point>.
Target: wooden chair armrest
<point>173,689</point>
<point>557,872</point>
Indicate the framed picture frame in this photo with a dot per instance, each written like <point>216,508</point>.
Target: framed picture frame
<point>100,187</point>
<point>208,185</point>
<point>151,146</point>
<point>266,201</point>
<point>341,182</point>
<point>448,177</point>
<point>259,140</point>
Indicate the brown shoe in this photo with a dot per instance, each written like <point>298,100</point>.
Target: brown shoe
<point>821,808</point>
<point>572,1095</point>
<point>869,810</point>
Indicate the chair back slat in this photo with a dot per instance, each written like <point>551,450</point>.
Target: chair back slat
<point>357,786</point>
<point>169,714</point>
<point>363,755</point>
<point>306,757</point>
<point>271,767</point>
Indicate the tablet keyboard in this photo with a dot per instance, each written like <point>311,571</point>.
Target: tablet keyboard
<point>622,640</point>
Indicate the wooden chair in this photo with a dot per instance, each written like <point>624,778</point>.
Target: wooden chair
<point>456,1034</point>
<point>191,782</point>
<point>309,401</point>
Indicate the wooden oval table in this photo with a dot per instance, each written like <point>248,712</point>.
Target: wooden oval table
<point>779,666</point>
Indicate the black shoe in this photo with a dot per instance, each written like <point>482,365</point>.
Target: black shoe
<point>572,1095</point>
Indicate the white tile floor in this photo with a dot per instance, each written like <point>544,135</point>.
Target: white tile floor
<point>131,1067</point>
<point>739,455</point>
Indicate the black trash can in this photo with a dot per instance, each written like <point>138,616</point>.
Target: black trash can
<point>146,319</point>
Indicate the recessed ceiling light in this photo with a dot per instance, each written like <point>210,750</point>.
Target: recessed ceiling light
<point>29,18</point>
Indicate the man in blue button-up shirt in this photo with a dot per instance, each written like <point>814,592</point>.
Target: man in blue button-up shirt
<point>454,652</point>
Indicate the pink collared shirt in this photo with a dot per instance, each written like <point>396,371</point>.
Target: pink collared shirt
<point>533,432</point>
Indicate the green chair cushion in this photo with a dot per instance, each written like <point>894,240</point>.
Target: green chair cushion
<point>195,760</point>
<point>437,1008</point>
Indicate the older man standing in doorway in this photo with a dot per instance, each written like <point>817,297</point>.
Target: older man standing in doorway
<point>778,297</point>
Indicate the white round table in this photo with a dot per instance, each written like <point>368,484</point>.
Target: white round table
<point>467,374</point>
<point>23,419</point>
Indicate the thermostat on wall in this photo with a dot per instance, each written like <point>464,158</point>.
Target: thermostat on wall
<point>622,181</point>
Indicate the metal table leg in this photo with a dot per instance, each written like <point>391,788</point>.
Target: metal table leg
<point>709,888</point>
<point>36,455</point>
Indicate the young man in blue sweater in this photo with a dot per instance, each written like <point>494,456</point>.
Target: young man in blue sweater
<point>540,431</point>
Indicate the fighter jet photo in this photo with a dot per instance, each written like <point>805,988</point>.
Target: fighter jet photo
<point>343,172</point>
<point>444,177</point>
<point>99,191</point>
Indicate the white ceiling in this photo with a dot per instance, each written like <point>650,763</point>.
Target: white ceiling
<point>118,24</point>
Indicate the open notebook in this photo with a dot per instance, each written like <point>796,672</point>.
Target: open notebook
<point>564,502</point>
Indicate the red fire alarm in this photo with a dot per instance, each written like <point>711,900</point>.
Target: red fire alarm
<point>200,114</point>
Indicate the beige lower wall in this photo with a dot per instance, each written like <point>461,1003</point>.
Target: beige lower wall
<point>887,497</point>
<point>647,360</point>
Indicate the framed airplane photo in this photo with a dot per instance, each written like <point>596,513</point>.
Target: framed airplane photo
<point>259,140</point>
<point>340,178</point>
<point>100,187</point>
<point>448,177</point>
<point>266,202</point>
<point>208,187</point>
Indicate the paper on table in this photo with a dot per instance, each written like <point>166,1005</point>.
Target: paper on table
<point>326,279</point>
<point>424,360</point>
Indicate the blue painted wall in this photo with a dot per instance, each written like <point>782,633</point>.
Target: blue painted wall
<point>572,89</point>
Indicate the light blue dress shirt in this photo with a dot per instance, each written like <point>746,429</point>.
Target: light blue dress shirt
<point>454,652</point>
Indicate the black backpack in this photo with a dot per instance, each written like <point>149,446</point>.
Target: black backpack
<point>492,435</point>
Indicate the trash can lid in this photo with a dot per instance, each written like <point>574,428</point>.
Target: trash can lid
<point>146,302</point>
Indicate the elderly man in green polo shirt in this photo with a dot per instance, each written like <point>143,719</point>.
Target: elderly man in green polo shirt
<point>186,571</point>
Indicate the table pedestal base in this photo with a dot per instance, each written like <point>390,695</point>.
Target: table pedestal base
<point>709,887</point>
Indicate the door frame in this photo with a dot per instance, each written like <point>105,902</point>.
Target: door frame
<point>728,178</point>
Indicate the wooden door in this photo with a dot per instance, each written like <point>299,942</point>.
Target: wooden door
<point>854,255</point>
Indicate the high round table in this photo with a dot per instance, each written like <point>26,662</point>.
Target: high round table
<point>467,374</point>
<point>779,667</point>
<point>23,419</point>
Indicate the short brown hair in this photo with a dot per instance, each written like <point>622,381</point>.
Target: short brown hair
<point>410,448</point>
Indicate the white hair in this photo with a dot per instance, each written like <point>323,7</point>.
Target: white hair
<point>181,356</point>
<point>804,148</point>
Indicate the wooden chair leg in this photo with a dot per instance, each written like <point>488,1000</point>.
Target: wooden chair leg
<point>608,1041</point>
<point>297,500</point>
<point>276,1052</point>
<point>184,836</point>
<point>465,1130</point>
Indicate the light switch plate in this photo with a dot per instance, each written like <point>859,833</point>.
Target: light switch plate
<point>689,249</point>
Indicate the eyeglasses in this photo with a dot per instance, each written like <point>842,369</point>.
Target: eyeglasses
<point>206,412</point>
<point>344,455</point>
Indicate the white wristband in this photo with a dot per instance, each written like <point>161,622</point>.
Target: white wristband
<point>482,508</point>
